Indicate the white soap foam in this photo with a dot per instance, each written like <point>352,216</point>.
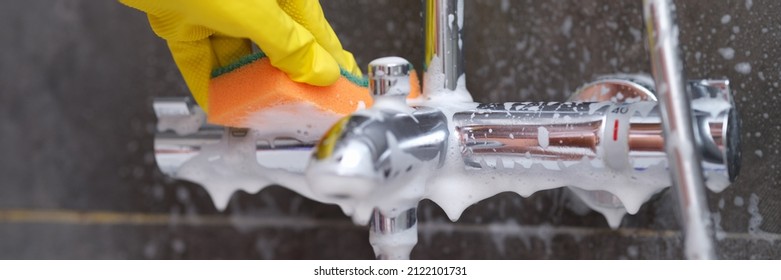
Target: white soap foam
<point>396,246</point>
<point>755,222</point>
<point>231,166</point>
<point>727,53</point>
<point>390,60</point>
<point>500,232</point>
<point>301,121</point>
<point>720,234</point>
<point>713,106</point>
<point>613,212</point>
<point>743,67</point>
<point>183,124</point>
<point>716,181</point>
<point>738,201</point>
<point>543,137</point>
<point>726,19</point>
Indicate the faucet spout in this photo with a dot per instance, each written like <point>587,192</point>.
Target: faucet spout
<point>393,237</point>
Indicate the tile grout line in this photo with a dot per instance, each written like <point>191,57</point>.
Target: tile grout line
<point>74,217</point>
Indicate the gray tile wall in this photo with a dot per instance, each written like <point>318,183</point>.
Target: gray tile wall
<point>78,179</point>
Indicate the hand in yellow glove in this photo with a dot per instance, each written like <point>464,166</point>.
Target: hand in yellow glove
<point>206,34</point>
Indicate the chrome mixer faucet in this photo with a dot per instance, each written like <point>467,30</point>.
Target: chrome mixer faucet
<point>376,163</point>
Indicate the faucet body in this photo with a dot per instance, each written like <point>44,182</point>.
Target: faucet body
<point>372,149</point>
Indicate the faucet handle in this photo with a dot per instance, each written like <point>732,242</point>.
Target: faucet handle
<point>389,76</point>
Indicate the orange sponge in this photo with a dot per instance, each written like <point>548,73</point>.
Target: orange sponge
<point>253,85</point>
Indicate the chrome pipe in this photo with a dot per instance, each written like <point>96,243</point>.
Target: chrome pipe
<point>622,136</point>
<point>676,115</point>
<point>381,231</point>
<point>444,61</point>
<point>389,76</point>
<point>173,150</point>
<point>182,134</point>
<point>388,225</point>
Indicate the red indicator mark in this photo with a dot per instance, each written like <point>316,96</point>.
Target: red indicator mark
<point>615,131</point>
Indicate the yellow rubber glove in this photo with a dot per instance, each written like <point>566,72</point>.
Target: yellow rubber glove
<point>206,34</point>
